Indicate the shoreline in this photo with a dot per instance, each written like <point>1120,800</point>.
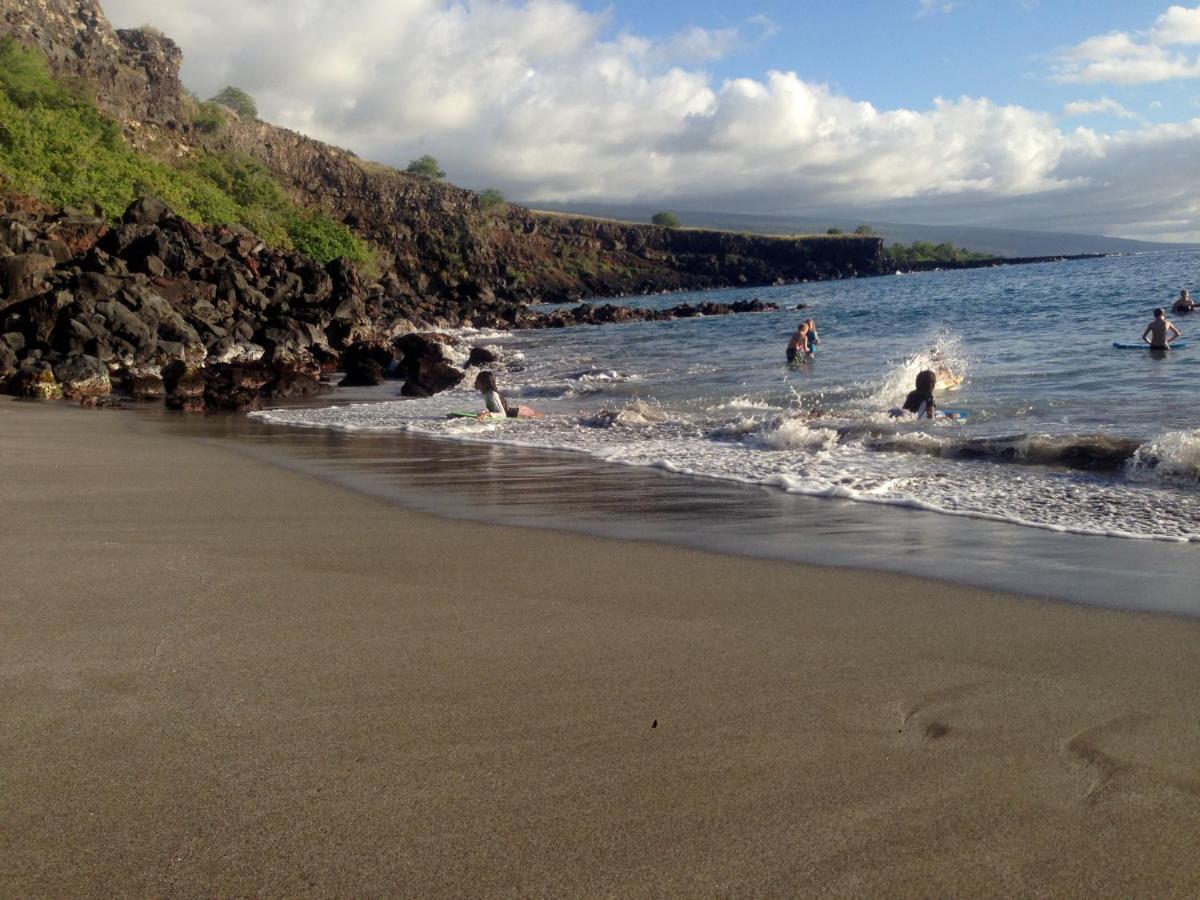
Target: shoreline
<point>225,677</point>
<point>579,492</point>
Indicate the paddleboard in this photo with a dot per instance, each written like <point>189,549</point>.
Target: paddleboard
<point>1176,345</point>
<point>475,415</point>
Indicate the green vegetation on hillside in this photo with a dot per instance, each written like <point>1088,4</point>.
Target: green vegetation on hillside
<point>60,148</point>
<point>924,252</point>
<point>491,200</point>
<point>426,167</point>
<point>238,100</point>
<point>665,219</point>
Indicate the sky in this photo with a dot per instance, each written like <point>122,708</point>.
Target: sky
<point>1072,115</point>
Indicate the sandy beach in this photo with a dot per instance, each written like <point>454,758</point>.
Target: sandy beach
<point>222,678</point>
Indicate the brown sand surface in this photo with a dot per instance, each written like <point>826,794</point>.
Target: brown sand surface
<point>222,678</point>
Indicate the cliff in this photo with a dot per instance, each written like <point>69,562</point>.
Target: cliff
<point>439,240</point>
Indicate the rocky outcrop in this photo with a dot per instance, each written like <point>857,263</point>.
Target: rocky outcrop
<point>214,319</point>
<point>439,239</point>
<point>610,314</point>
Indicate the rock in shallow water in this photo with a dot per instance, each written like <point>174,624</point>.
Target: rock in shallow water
<point>83,377</point>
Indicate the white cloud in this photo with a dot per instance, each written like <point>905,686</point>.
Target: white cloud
<point>1121,57</point>
<point>1103,106</point>
<point>541,100</point>
<point>1178,25</point>
<point>929,7</point>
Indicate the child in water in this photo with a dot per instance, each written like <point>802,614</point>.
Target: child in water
<point>497,406</point>
<point>920,401</point>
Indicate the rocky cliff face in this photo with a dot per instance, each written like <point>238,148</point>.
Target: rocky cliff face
<point>439,240</point>
<point>133,74</point>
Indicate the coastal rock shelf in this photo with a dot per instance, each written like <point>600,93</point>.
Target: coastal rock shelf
<point>212,319</point>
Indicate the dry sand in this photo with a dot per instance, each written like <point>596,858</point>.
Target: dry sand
<point>222,678</point>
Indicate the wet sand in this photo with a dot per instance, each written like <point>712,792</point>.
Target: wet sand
<point>219,677</point>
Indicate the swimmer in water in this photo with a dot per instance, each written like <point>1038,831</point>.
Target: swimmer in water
<point>1160,333</point>
<point>920,402</point>
<point>1185,303</point>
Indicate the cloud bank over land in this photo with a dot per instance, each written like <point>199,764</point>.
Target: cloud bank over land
<point>542,100</point>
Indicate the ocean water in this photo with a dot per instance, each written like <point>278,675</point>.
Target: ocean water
<point>1065,433</point>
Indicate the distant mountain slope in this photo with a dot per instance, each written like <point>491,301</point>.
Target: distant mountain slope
<point>997,241</point>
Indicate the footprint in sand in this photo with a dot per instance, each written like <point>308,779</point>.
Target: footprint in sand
<point>917,717</point>
<point>1135,753</point>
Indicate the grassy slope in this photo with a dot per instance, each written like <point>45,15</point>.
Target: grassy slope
<point>60,148</point>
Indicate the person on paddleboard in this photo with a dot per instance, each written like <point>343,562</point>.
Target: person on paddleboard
<point>1160,333</point>
<point>1185,303</point>
<point>920,401</point>
<point>497,406</point>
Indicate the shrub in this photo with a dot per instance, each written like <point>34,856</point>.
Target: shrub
<point>425,167</point>
<point>492,200</point>
<point>665,219</point>
<point>865,230</point>
<point>238,100</point>
<point>834,231</point>
<point>209,117</point>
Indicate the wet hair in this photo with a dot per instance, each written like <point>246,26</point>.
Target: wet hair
<point>1159,313</point>
<point>486,381</point>
<point>926,381</point>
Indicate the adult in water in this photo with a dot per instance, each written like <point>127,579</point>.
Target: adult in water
<point>1160,333</point>
<point>1185,303</point>
<point>798,347</point>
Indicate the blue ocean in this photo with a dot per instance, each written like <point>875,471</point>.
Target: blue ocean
<point>1065,434</point>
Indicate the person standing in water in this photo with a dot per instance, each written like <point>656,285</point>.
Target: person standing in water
<point>814,339</point>
<point>1160,333</point>
<point>1185,303</point>
<point>798,346</point>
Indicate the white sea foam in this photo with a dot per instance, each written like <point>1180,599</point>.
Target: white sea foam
<point>1172,458</point>
<point>804,458</point>
<point>789,433</point>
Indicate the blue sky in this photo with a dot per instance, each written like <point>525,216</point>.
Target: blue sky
<point>1075,115</point>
